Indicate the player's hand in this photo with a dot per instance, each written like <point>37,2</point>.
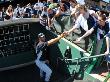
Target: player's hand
<point>62,35</point>
<point>78,40</point>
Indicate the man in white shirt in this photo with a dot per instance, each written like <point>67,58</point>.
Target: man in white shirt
<point>18,11</point>
<point>28,11</point>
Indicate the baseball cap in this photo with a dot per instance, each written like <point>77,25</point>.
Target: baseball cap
<point>41,35</point>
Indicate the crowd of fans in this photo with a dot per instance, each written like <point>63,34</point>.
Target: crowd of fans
<point>49,11</point>
<point>91,23</point>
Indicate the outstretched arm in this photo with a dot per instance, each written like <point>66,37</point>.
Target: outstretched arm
<point>77,25</point>
<point>71,30</point>
<point>107,44</point>
<point>52,41</point>
<point>86,34</point>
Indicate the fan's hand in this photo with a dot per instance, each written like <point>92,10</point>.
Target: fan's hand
<point>107,52</point>
<point>78,39</point>
<point>66,33</point>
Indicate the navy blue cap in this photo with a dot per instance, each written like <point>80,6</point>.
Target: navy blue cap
<point>41,35</point>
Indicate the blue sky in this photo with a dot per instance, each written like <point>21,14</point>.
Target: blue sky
<point>106,0</point>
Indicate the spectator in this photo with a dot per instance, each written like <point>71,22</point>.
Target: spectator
<point>28,11</point>
<point>18,11</point>
<point>3,14</point>
<point>62,10</point>
<point>39,7</point>
<point>84,21</point>
<point>101,29</point>
<point>66,2</point>
<point>51,14</point>
<point>43,20</point>
<point>72,5</point>
<point>43,17</point>
<point>9,12</point>
<point>35,10</point>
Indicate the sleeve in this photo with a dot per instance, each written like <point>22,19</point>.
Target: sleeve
<point>108,21</point>
<point>95,26</point>
<point>77,23</point>
<point>109,25</point>
<point>91,11</point>
<point>107,35</point>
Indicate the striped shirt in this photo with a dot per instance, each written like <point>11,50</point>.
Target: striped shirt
<point>43,21</point>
